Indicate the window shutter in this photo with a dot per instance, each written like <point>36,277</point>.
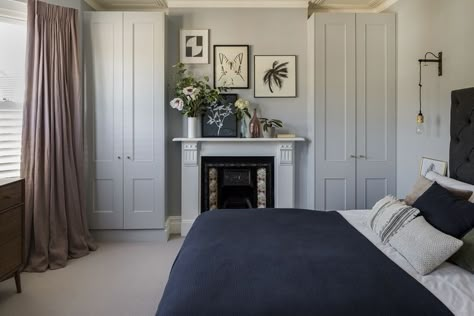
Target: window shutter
<point>12,83</point>
<point>11,117</point>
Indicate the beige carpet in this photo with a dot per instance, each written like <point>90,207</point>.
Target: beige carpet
<point>118,279</point>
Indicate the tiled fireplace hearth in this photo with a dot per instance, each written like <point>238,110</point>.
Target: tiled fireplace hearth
<point>235,173</point>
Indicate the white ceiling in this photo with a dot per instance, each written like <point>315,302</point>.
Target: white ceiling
<point>318,5</point>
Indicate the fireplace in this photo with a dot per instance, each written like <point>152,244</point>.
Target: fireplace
<point>279,180</point>
<point>237,182</point>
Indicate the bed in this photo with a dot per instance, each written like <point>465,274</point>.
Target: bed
<point>301,262</point>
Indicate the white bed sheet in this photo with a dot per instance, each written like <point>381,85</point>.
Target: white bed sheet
<point>449,283</point>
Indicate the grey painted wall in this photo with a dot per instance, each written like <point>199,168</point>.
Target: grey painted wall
<point>430,25</point>
<point>267,31</point>
<point>423,25</point>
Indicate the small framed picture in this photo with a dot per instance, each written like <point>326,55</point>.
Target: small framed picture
<point>275,76</point>
<point>194,46</point>
<point>231,66</point>
<point>429,164</point>
<point>220,119</point>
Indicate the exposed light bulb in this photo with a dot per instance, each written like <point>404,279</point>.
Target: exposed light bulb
<point>420,126</point>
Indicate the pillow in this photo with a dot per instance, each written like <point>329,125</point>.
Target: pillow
<point>465,256</point>
<point>423,184</point>
<point>423,246</point>
<point>446,212</point>
<point>450,183</point>
<point>389,215</point>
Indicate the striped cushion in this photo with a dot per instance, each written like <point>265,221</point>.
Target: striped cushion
<point>389,215</point>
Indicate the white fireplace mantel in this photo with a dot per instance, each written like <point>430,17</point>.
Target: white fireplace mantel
<point>192,149</point>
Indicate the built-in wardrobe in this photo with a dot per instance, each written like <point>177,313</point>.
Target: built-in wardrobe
<point>124,65</point>
<point>352,105</point>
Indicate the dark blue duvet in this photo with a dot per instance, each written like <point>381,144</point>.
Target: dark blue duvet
<point>287,262</point>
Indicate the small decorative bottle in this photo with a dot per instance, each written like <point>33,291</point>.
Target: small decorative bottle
<point>254,126</point>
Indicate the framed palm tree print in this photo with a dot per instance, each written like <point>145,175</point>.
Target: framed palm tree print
<point>275,76</point>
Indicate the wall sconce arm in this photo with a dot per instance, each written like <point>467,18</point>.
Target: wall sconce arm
<point>437,59</point>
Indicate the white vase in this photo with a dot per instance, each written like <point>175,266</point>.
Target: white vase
<point>192,127</point>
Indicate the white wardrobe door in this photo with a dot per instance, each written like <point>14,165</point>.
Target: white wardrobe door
<point>144,133</point>
<point>335,111</point>
<point>376,109</point>
<point>104,106</point>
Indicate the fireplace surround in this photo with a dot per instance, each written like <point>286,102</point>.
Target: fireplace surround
<point>282,151</point>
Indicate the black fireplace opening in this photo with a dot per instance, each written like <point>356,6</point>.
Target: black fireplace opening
<point>237,182</point>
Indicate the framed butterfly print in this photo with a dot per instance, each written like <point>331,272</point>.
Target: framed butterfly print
<point>231,66</point>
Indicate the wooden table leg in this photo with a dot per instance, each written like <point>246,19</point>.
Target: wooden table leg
<point>18,282</point>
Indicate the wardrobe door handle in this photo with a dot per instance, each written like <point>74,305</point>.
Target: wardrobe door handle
<point>362,156</point>
<point>353,156</point>
<point>129,158</point>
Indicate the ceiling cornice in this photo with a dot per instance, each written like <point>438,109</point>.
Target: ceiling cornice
<point>314,5</point>
<point>94,4</point>
<point>237,3</point>
<point>155,5</point>
<point>373,6</point>
<point>13,10</point>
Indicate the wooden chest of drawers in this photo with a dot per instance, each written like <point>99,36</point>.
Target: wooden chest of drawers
<point>12,231</point>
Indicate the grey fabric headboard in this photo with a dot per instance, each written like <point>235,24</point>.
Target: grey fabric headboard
<point>461,151</point>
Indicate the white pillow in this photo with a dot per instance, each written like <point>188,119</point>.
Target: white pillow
<point>389,215</point>
<point>451,183</point>
<point>423,246</point>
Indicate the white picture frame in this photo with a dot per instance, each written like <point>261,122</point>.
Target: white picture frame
<point>194,46</point>
<point>279,85</point>
<point>430,164</point>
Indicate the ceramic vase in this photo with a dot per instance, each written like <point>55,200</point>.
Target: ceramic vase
<point>192,127</point>
<point>270,132</point>
<point>243,128</point>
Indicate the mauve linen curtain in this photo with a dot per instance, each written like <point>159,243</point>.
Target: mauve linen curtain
<point>52,143</point>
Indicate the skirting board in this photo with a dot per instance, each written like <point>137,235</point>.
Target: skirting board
<point>132,235</point>
<point>172,227</point>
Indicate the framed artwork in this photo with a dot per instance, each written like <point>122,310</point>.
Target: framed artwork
<point>231,66</point>
<point>429,164</point>
<point>219,119</point>
<point>275,76</point>
<point>194,46</point>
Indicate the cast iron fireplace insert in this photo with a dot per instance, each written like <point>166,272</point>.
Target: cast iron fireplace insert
<point>237,182</point>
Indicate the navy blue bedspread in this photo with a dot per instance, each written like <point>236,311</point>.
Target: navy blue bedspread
<point>287,262</point>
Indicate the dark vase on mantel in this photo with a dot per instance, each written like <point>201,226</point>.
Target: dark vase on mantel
<point>254,126</point>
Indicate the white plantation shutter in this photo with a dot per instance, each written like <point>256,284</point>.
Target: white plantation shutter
<point>12,77</point>
<point>11,116</point>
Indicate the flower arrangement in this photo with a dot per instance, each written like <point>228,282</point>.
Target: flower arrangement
<point>242,109</point>
<point>193,96</point>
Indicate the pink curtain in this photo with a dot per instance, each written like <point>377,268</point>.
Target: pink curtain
<point>52,144</point>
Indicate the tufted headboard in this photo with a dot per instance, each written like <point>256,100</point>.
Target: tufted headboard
<point>461,151</point>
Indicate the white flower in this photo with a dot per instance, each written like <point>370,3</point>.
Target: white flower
<point>195,93</point>
<point>177,103</point>
<point>188,90</point>
<point>242,104</point>
<point>191,92</point>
